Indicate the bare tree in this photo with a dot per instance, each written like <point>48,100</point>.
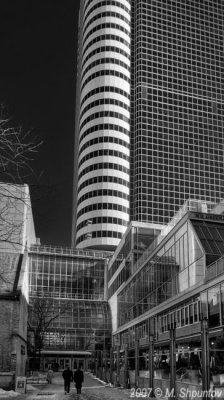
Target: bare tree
<point>43,311</point>
<point>17,150</point>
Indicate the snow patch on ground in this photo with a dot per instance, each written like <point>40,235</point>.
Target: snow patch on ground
<point>30,388</point>
<point>10,393</point>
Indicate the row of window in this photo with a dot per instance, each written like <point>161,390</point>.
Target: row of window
<point>105,178</point>
<point>104,127</point>
<point>104,114</point>
<point>168,133</point>
<point>103,192</point>
<point>176,97</point>
<point>176,39</point>
<point>106,72</point>
<point>178,121</point>
<point>105,37</point>
<point>187,178</point>
<point>88,2</point>
<point>107,25</point>
<point>168,199</point>
<point>106,165</point>
<point>104,89</point>
<point>175,25</point>
<point>103,153</point>
<point>120,279</point>
<point>105,3</point>
<point>180,111</point>
<point>185,81</point>
<point>182,5</point>
<point>103,206</point>
<point>105,61</point>
<point>184,19</point>
<point>154,65</point>
<point>104,139</point>
<point>169,51</point>
<point>184,315</point>
<point>175,36</point>
<point>190,91</point>
<point>103,102</point>
<point>180,72</point>
<point>166,60</point>
<point>100,234</point>
<point>104,49</point>
<point>174,154</point>
<point>60,269</point>
<point>156,124</point>
<point>103,220</point>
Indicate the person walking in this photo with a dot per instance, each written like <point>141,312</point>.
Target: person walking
<point>78,379</point>
<point>68,378</point>
<point>50,375</point>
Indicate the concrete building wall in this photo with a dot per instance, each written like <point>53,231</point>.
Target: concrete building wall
<point>16,234</point>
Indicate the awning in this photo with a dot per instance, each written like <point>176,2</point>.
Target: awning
<point>66,352</point>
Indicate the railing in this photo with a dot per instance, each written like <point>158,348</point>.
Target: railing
<point>68,251</point>
<point>215,269</point>
<point>69,295</point>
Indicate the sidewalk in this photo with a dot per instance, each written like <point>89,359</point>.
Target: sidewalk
<point>93,389</point>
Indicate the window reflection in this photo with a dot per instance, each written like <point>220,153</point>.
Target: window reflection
<point>214,307</point>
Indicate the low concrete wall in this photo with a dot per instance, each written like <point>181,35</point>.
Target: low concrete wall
<point>7,380</point>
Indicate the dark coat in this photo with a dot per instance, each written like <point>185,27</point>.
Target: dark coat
<point>78,378</point>
<point>67,375</point>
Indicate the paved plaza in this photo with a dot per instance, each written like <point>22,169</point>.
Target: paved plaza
<point>92,389</point>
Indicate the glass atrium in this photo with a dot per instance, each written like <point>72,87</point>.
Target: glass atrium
<point>74,281</point>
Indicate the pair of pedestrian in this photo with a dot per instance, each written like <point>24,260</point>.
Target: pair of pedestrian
<point>68,378</point>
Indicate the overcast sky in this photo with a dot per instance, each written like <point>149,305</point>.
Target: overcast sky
<point>37,85</point>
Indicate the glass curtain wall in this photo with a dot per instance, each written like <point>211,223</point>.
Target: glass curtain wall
<point>75,286</point>
<point>180,262</point>
<point>177,265</point>
<point>65,277</point>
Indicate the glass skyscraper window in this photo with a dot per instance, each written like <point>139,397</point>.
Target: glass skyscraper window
<point>153,78</point>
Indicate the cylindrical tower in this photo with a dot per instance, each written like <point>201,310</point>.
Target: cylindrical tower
<point>102,162</point>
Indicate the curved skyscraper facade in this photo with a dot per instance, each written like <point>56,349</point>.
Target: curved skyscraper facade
<point>102,132</point>
<point>173,70</point>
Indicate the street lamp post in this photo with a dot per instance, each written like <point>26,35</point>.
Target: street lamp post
<point>137,363</point>
<point>126,366</point>
<point>151,365</point>
<point>173,360</point>
<point>205,358</point>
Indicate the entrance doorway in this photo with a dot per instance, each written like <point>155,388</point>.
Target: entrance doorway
<point>64,363</point>
<point>79,363</point>
<point>72,361</point>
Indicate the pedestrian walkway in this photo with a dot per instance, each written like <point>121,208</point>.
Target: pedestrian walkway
<point>92,389</point>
